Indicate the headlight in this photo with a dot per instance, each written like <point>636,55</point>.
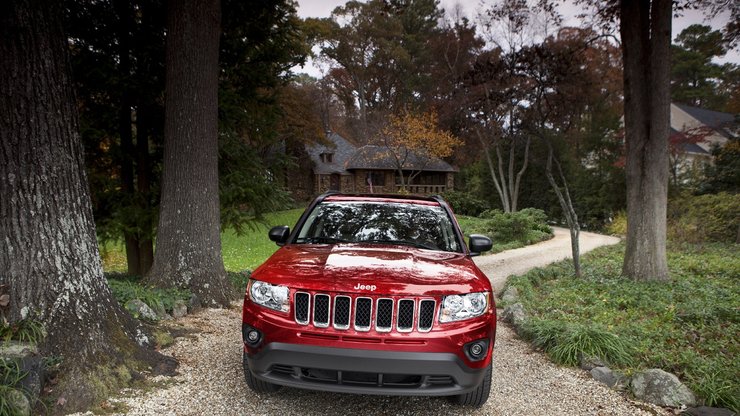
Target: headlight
<point>459,307</point>
<point>269,296</point>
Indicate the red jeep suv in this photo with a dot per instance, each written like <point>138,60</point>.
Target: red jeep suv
<point>372,294</point>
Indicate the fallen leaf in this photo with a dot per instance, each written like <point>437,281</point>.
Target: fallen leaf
<point>4,300</point>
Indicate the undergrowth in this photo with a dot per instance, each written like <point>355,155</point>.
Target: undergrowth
<point>126,288</point>
<point>687,326</point>
<point>508,230</point>
<point>10,376</point>
<point>25,330</point>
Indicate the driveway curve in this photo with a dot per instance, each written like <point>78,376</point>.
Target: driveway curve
<point>525,382</point>
<point>519,261</point>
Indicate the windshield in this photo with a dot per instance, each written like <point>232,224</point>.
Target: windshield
<point>421,226</point>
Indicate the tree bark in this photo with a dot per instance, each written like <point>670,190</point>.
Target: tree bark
<point>188,252</point>
<point>646,40</point>
<point>50,261</point>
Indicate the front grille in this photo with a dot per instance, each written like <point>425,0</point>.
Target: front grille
<point>364,313</point>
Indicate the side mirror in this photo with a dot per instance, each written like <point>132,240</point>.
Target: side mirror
<point>279,234</point>
<point>478,244</point>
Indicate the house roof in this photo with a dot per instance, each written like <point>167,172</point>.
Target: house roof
<point>718,121</point>
<point>686,146</point>
<point>378,157</point>
<point>341,150</point>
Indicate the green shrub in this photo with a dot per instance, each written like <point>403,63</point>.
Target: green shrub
<point>240,279</point>
<point>618,225</point>
<point>464,203</point>
<point>126,289</point>
<point>704,218</point>
<point>526,226</point>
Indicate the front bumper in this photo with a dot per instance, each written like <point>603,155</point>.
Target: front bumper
<point>364,371</point>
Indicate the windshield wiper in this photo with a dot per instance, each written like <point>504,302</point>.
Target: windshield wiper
<point>402,242</point>
<point>320,240</point>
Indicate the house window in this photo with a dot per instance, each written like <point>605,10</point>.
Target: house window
<point>327,157</point>
<point>375,178</point>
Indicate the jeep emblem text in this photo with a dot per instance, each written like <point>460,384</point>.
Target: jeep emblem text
<point>365,287</point>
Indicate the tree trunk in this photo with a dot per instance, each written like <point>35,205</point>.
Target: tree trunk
<point>646,40</point>
<point>124,131</point>
<point>491,169</point>
<point>502,176</point>
<point>566,204</point>
<point>518,182</point>
<point>188,252</point>
<point>143,182</point>
<point>50,261</point>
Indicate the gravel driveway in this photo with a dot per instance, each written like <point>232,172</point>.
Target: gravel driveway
<point>524,381</point>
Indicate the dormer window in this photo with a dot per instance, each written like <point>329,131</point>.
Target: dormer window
<point>326,157</point>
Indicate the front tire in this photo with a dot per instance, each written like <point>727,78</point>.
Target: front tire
<point>479,396</point>
<point>255,384</point>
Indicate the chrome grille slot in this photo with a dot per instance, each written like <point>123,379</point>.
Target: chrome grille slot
<point>342,306</point>
<point>302,306</point>
<point>321,310</point>
<point>364,313</point>
<point>405,315</point>
<point>426,315</point>
<point>384,315</point>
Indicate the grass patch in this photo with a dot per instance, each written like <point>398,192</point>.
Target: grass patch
<point>688,327</point>
<point>566,343</point>
<point>10,376</point>
<point>252,248</point>
<point>25,330</point>
<point>240,252</point>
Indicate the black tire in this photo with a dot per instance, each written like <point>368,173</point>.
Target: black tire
<point>479,396</point>
<point>255,384</point>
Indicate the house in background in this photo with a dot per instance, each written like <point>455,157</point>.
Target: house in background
<point>714,127</point>
<point>694,132</point>
<point>343,166</point>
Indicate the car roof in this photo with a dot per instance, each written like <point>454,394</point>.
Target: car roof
<point>396,198</point>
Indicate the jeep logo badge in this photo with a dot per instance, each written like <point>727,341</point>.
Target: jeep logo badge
<point>365,287</point>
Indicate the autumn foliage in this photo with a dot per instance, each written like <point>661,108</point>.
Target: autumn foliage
<point>415,140</point>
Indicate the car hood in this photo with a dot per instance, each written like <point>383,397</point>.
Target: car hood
<point>372,269</point>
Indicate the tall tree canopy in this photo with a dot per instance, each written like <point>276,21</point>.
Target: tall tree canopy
<point>695,79</point>
<point>380,55</point>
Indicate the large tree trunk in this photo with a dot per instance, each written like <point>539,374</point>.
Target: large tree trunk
<point>188,252</point>
<point>50,261</point>
<point>646,40</point>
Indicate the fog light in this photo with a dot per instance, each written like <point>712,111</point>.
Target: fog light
<point>477,350</point>
<point>252,336</point>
